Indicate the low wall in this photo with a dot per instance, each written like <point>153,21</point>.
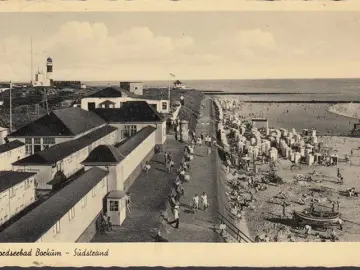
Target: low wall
<point>132,177</point>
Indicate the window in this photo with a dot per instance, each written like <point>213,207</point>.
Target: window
<point>93,192</point>
<point>71,213</point>
<point>84,201</point>
<point>48,142</point>
<point>91,105</point>
<point>27,184</point>
<point>103,183</point>
<point>129,130</point>
<point>28,146</point>
<point>37,145</point>
<point>12,192</point>
<point>114,205</point>
<point>164,105</point>
<point>56,228</point>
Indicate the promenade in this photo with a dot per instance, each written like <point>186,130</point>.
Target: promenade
<point>150,191</point>
<point>198,226</point>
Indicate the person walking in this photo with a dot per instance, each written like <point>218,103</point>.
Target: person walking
<point>195,202</point>
<point>204,200</point>
<point>176,217</point>
<point>209,150</point>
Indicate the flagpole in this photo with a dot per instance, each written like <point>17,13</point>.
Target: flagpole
<point>169,88</point>
<point>10,107</point>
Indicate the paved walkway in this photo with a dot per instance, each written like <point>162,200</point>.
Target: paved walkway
<point>198,226</point>
<point>148,194</point>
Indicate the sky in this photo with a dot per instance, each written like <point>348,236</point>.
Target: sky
<point>193,45</point>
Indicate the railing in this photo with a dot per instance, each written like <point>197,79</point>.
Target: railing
<point>233,230</point>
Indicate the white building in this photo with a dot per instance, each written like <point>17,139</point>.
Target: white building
<point>72,213</point>
<point>57,127</point>
<point>133,116</point>
<point>44,79</point>
<point>133,87</point>
<point>124,162</point>
<point>56,164</point>
<point>111,97</point>
<point>17,191</point>
<point>11,152</point>
<point>68,216</point>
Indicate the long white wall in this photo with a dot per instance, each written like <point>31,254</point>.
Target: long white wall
<point>22,196</point>
<point>71,229</point>
<point>129,164</point>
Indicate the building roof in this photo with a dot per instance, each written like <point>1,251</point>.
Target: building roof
<point>113,155</point>
<point>62,150</point>
<point>130,111</point>
<point>134,141</point>
<point>9,179</point>
<point>112,92</point>
<point>64,122</point>
<point>116,194</point>
<point>37,222</point>
<point>104,154</point>
<point>10,146</point>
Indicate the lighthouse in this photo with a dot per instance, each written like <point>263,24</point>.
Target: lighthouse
<point>49,68</point>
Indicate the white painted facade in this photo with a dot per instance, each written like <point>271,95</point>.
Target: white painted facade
<point>69,165</point>
<point>70,227</point>
<point>161,106</point>
<point>9,157</point>
<point>133,87</point>
<point>123,128</point>
<point>16,198</point>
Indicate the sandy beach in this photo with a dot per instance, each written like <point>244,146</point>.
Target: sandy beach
<point>265,214</point>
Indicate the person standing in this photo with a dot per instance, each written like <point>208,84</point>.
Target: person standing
<point>204,200</point>
<point>209,150</point>
<point>166,157</point>
<point>176,217</point>
<point>128,201</point>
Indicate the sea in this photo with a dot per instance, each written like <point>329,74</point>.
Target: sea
<point>291,115</point>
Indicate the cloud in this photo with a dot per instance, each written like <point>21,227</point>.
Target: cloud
<point>245,44</point>
<point>79,47</point>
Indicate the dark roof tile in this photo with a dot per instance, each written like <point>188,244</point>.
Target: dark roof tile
<point>64,122</point>
<point>131,111</point>
<point>104,154</point>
